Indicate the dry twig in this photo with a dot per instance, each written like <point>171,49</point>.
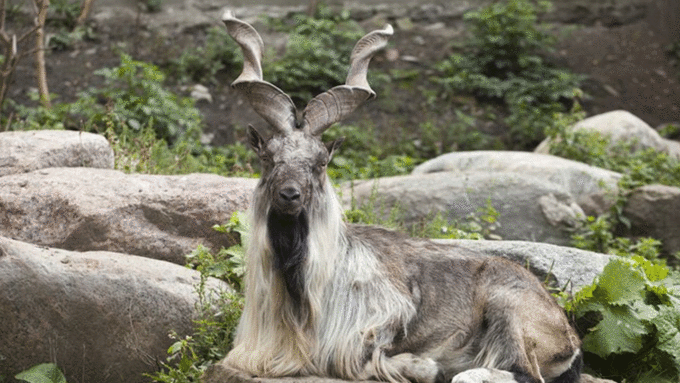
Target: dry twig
<point>84,12</point>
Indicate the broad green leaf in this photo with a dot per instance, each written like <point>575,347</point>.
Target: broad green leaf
<point>655,272</point>
<point>619,331</point>
<point>620,283</point>
<point>667,324</point>
<point>42,373</point>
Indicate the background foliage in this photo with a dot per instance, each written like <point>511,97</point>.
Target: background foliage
<point>503,62</point>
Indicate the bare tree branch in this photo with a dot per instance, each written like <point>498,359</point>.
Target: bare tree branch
<point>85,11</point>
<point>2,15</point>
<point>9,43</point>
<point>27,34</point>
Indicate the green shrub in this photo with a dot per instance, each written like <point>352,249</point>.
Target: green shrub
<point>151,130</point>
<point>218,312</point>
<point>63,13</point>
<point>66,39</point>
<point>132,98</point>
<point>503,63</point>
<point>317,54</point>
<point>135,95</point>
<point>362,155</point>
<point>201,64</point>
<point>142,152</point>
<point>630,319</point>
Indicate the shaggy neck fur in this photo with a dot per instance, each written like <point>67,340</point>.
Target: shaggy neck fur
<point>316,301</point>
<point>288,237</point>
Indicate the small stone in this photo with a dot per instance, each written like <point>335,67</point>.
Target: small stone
<point>392,54</point>
<point>201,93</point>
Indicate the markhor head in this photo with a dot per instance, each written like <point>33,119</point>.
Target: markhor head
<point>293,157</point>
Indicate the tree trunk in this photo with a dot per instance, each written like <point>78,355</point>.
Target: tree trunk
<point>40,72</point>
<point>8,65</point>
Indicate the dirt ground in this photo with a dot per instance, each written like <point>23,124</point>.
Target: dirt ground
<point>627,68</point>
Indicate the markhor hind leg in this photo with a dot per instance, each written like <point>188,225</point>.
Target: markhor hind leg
<point>402,367</point>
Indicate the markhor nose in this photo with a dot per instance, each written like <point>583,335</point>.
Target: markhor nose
<point>289,194</point>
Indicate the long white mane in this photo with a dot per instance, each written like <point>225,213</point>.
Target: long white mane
<point>349,301</point>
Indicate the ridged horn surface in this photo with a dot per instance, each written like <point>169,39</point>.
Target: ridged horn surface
<point>337,103</point>
<point>270,102</point>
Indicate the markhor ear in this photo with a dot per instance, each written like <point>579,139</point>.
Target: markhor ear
<point>255,140</point>
<point>333,146</point>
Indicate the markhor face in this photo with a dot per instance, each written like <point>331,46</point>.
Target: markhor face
<point>294,169</point>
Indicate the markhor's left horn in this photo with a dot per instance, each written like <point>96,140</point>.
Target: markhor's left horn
<point>337,103</point>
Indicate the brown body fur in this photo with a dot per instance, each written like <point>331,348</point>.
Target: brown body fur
<point>458,293</point>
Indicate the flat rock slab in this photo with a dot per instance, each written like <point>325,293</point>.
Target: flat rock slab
<point>220,374</point>
<point>162,217</point>
<point>102,317</point>
<point>36,149</point>
<point>564,266</point>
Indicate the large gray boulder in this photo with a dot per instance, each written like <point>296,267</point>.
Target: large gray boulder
<point>561,266</point>
<point>102,317</point>
<point>36,149</point>
<point>162,217</point>
<point>622,126</point>
<point>654,211</point>
<point>531,208</point>
<point>593,188</point>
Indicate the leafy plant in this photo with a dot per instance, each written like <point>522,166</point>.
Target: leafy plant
<point>142,152</point>
<point>151,5</point>
<point>639,167</point>
<point>503,63</point>
<point>317,54</point>
<point>66,38</point>
<point>373,211</point>
<point>64,13</point>
<point>362,155</point>
<point>219,312</point>
<point>201,64</point>
<point>132,98</point>
<point>135,95</point>
<point>42,373</point>
<point>630,320</point>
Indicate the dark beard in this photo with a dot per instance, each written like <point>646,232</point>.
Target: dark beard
<point>288,238</point>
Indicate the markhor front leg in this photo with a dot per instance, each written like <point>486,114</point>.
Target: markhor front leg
<point>401,367</point>
<point>486,375</point>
